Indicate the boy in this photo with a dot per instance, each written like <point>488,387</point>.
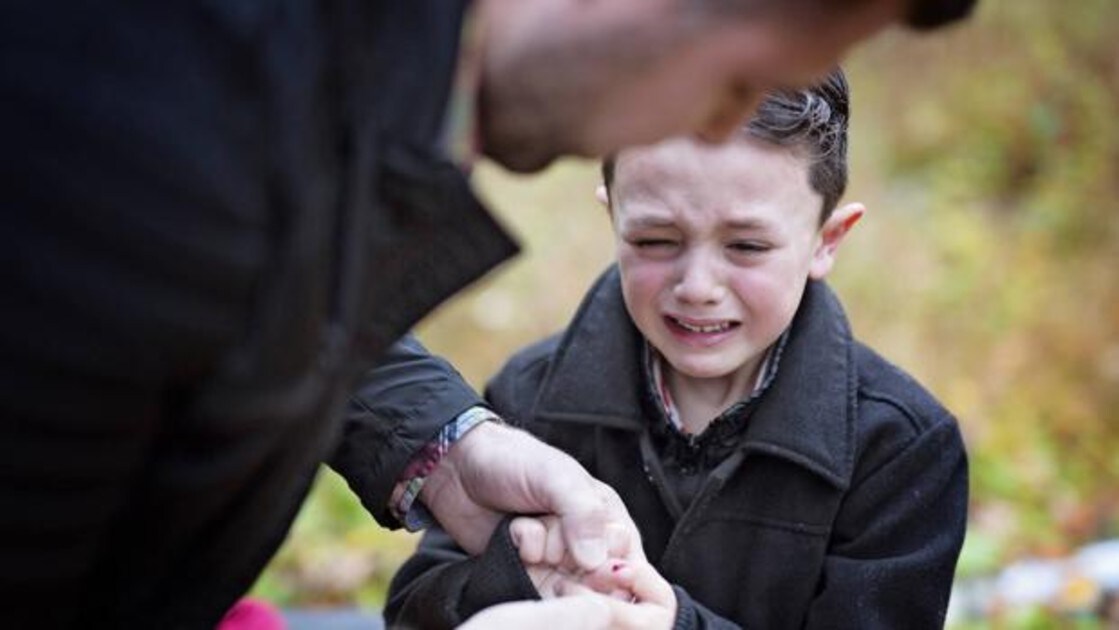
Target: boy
<point>780,472</point>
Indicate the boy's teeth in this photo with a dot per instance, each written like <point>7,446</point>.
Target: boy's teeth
<point>712,328</point>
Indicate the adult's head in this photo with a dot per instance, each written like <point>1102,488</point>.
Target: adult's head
<point>588,77</point>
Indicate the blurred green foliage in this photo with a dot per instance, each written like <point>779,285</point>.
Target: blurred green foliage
<point>336,555</point>
<point>998,167</point>
<point>988,157</point>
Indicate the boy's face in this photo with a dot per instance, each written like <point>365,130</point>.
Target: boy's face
<point>715,245</point>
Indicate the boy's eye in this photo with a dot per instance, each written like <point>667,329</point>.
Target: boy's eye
<point>654,243</point>
<point>749,247</point>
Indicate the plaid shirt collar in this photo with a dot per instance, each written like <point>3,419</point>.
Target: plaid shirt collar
<point>654,371</point>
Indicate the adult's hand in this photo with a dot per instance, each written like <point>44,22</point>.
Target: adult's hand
<point>495,469</point>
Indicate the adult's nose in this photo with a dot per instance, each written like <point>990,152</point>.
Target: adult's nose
<point>731,113</point>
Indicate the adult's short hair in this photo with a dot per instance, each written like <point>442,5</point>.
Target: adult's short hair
<point>916,14</point>
<point>930,14</point>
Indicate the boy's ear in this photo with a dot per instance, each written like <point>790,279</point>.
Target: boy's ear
<point>602,195</point>
<point>831,235</point>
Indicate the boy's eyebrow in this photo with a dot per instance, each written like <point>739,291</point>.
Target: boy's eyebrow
<point>650,222</point>
<point>654,222</point>
<point>747,224</point>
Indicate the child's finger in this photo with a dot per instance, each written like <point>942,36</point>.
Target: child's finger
<point>639,616</point>
<point>606,579</point>
<point>646,584</point>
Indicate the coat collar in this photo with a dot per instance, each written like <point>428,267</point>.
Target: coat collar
<point>807,416</point>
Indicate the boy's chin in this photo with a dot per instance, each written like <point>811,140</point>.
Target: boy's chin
<point>701,369</point>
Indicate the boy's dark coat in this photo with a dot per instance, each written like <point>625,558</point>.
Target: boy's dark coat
<point>842,507</point>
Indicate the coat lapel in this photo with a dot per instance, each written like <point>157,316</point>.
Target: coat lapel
<point>596,370</point>
<point>808,416</point>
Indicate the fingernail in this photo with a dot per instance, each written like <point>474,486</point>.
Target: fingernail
<point>590,552</point>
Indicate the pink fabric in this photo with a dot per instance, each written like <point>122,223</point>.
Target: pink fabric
<point>252,614</point>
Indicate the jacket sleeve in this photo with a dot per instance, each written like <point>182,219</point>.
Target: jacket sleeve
<point>440,586</point>
<point>896,538</point>
<point>395,410</point>
<point>691,615</point>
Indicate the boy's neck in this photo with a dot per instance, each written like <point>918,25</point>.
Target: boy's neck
<point>699,401</point>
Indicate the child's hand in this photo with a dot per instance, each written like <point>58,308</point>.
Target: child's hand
<point>651,602</point>
<point>640,580</point>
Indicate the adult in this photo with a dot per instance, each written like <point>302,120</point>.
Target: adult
<point>218,214</point>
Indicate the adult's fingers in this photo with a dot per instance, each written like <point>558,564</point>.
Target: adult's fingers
<point>619,540</point>
<point>538,540</point>
<point>584,509</point>
<point>619,533</point>
<point>529,535</point>
<point>554,548</point>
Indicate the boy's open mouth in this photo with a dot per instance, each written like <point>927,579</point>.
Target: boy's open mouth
<point>702,327</point>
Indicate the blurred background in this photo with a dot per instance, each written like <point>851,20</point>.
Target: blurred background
<point>988,157</point>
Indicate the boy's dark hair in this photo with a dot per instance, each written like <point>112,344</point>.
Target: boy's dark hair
<point>811,121</point>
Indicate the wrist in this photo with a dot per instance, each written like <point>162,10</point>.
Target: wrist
<point>430,470</point>
<point>448,472</point>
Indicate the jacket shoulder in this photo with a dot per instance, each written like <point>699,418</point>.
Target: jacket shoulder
<point>883,384</point>
<point>513,390</point>
<point>898,417</point>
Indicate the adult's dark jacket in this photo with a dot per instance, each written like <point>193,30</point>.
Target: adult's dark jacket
<point>840,504</point>
<point>217,214</point>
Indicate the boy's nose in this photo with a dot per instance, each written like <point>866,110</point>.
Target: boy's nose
<point>698,282</point>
